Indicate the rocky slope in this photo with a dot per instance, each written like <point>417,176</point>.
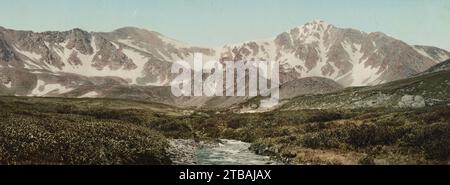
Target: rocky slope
<point>135,63</point>
<point>291,89</point>
<point>348,56</point>
<point>439,67</point>
<point>425,90</point>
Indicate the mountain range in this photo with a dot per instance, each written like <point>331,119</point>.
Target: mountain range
<point>135,63</point>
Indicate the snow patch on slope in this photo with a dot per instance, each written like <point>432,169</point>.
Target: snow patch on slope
<point>173,42</point>
<point>361,74</point>
<point>29,55</point>
<point>131,43</point>
<point>86,68</point>
<point>156,52</point>
<point>140,62</point>
<point>91,94</point>
<point>8,85</point>
<point>441,56</point>
<point>422,52</point>
<point>42,89</point>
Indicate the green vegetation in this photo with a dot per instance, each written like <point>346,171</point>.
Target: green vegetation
<point>108,131</point>
<point>353,136</point>
<point>433,87</point>
<point>79,131</point>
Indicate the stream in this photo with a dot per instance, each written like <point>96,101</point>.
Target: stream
<point>230,152</point>
<point>224,152</point>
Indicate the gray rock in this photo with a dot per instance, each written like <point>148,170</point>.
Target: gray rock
<point>411,101</point>
<point>182,151</point>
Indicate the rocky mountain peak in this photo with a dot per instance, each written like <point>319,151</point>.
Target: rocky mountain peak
<point>348,56</point>
<point>80,40</point>
<point>316,25</point>
<point>136,33</point>
<point>141,57</point>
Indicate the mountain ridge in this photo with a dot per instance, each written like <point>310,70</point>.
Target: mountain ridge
<point>66,63</point>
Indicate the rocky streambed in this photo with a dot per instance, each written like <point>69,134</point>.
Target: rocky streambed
<point>223,152</point>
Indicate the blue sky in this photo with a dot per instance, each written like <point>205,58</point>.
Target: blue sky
<point>216,22</point>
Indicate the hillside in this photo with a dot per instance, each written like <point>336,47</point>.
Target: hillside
<point>419,91</point>
<point>81,131</point>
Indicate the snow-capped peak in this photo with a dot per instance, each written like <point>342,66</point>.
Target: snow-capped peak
<point>319,22</point>
<point>315,25</point>
<point>310,32</point>
<point>142,57</point>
